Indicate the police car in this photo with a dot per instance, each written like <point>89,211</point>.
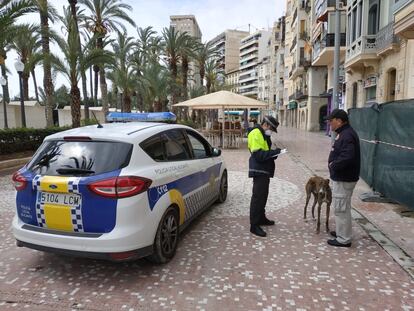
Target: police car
<point>119,191</point>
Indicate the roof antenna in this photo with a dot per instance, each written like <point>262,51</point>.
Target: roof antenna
<point>97,121</point>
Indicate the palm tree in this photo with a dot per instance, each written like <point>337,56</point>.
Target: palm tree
<point>106,15</point>
<point>75,62</point>
<point>75,15</point>
<point>211,74</point>
<point>187,52</point>
<point>203,53</point>
<point>173,44</point>
<point>26,42</point>
<point>10,10</point>
<point>47,13</point>
<point>122,71</point>
<point>155,84</point>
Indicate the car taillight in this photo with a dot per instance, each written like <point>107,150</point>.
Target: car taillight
<point>120,187</point>
<point>19,181</point>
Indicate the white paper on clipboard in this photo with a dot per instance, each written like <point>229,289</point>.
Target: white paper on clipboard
<point>283,151</point>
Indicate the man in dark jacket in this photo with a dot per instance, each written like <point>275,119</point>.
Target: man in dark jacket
<point>261,169</point>
<point>344,165</point>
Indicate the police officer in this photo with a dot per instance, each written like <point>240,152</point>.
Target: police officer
<point>261,169</point>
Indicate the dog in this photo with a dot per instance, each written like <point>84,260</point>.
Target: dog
<point>322,192</point>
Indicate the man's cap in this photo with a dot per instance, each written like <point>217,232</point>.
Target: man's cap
<point>272,122</point>
<point>338,114</point>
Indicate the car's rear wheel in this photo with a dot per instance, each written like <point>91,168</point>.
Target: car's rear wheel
<point>166,239</point>
<point>223,188</point>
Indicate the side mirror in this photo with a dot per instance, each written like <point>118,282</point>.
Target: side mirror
<point>216,152</point>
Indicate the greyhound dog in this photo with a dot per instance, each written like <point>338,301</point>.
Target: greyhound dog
<point>321,191</point>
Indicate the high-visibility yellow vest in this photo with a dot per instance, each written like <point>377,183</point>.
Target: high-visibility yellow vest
<point>255,141</point>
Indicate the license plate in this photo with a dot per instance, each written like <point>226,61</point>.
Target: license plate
<point>65,199</point>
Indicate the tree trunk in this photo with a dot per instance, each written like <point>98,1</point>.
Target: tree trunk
<point>25,78</point>
<point>104,91</point>
<point>127,102</point>
<point>185,77</point>
<point>72,4</point>
<point>202,73</point>
<point>6,93</point>
<point>75,105</point>
<point>47,72</point>
<point>157,105</point>
<point>35,85</point>
<point>91,81</point>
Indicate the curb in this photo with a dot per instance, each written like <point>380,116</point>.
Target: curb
<point>13,163</point>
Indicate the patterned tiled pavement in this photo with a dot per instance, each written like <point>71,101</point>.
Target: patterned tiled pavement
<point>219,265</point>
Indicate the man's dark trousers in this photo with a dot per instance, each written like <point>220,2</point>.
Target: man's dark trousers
<point>259,199</point>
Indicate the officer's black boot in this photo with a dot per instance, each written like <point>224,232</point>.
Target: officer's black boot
<point>256,230</point>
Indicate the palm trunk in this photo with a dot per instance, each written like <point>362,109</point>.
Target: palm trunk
<point>47,72</point>
<point>25,78</point>
<point>35,85</point>
<point>202,73</point>
<point>6,93</point>
<point>102,80</point>
<point>75,105</point>
<point>185,77</point>
<point>91,81</point>
<point>72,4</point>
<point>157,106</point>
<point>127,102</point>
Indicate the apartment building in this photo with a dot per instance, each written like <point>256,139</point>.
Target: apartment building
<point>378,63</point>
<point>253,49</point>
<point>188,24</point>
<point>227,49</point>
<point>277,66</point>
<point>323,41</point>
<point>232,80</point>
<point>297,61</point>
<point>264,81</point>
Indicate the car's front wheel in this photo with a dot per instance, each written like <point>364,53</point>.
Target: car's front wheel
<point>223,188</point>
<point>166,239</point>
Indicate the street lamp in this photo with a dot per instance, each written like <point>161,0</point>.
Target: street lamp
<point>19,68</point>
<point>3,83</point>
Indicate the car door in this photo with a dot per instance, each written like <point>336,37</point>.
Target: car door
<point>208,168</point>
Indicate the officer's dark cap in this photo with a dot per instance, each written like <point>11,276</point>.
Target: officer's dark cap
<point>272,122</point>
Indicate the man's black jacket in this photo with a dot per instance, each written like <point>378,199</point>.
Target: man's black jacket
<point>345,159</point>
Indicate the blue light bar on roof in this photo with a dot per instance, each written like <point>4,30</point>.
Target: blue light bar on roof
<point>142,117</point>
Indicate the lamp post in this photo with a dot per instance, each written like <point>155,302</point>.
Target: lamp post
<point>19,68</point>
<point>3,83</point>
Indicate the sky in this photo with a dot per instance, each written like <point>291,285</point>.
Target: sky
<point>213,17</point>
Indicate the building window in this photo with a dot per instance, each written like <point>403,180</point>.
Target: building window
<point>371,94</point>
<point>373,20</point>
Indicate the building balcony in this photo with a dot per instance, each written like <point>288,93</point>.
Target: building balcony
<point>293,44</point>
<point>387,41</point>
<point>248,78</point>
<point>299,95</point>
<point>248,65</point>
<point>404,21</point>
<point>324,49</point>
<point>361,50</point>
<point>244,52</point>
<point>371,47</point>
<point>323,7</point>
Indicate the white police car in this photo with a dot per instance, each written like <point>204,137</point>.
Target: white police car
<point>117,192</point>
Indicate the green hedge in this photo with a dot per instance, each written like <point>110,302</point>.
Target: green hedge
<point>24,139</point>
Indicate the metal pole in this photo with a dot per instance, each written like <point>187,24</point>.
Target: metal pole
<point>22,112</point>
<point>335,94</point>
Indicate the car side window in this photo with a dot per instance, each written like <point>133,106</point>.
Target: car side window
<point>201,148</point>
<point>154,147</point>
<point>176,146</point>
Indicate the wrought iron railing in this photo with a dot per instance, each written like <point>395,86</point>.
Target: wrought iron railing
<point>386,37</point>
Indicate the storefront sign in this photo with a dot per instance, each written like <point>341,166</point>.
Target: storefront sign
<point>371,81</point>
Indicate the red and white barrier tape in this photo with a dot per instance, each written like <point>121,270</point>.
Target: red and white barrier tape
<point>376,142</point>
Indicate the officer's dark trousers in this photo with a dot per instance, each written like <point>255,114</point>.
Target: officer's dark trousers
<point>259,199</point>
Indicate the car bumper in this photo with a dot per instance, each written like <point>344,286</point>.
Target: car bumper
<point>129,243</point>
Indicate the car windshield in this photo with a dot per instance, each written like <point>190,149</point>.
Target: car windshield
<point>78,158</point>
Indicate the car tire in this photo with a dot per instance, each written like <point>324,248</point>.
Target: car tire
<point>166,238</point>
<point>223,188</point>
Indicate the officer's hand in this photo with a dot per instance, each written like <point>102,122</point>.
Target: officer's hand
<point>278,150</point>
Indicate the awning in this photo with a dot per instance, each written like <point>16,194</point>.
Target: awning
<point>292,105</point>
<point>303,104</point>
